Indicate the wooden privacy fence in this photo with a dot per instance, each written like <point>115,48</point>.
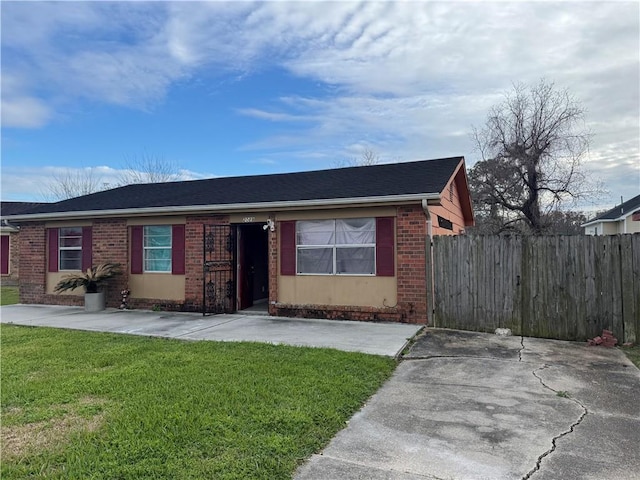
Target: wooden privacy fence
<point>563,287</point>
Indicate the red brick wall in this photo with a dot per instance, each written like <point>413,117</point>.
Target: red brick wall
<point>410,256</point>
<point>14,256</point>
<point>32,263</point>
<point>194,257</point>
<point>111,245</point>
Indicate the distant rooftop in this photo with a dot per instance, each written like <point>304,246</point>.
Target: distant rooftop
<point>618,212</point>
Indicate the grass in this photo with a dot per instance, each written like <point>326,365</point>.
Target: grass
<point>96,405</point>
<point>633,353</point>
<point>9,295</point>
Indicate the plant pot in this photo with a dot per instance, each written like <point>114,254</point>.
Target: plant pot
<point>94,302</point>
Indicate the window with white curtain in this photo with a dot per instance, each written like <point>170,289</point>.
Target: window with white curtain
<point>345,246</point>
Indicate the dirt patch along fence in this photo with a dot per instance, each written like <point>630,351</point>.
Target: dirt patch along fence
<point>563,287</point>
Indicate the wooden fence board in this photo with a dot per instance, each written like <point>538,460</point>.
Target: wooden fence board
<point>560,287</point>
<point>635,275</point>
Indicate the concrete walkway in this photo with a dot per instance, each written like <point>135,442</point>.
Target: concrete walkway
<point>387,339</point>
<point>466,405</point>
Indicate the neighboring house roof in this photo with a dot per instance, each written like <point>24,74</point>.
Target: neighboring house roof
<point>399,181</point>
<point>617,213</point>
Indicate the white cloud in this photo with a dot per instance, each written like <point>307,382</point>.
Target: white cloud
<point>34,184</point>
<point>24,112</point>
<point>407,78</point>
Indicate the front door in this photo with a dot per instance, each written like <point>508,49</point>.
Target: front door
<point>252,265</point>
<point>219,266</point>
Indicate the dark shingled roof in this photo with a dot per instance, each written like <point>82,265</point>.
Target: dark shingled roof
<point>427,176</point>
<point>14,208</point>
<point>629,206</point>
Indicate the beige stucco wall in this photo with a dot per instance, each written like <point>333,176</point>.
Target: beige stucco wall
<point>337,290</point>
<point>337,213</point>
<point>157,285</point>
<point>68,223</point>
<point>156,220</point>
<point>54,277</point>
<point>250,217</point>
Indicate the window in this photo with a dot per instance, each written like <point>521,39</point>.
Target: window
<point>444,223</point>
<point>4,255</point>
<point>70,248</point>
<point>342,246</point>
<point>157,248</point>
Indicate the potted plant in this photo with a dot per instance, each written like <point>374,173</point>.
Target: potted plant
<point>91,280</point>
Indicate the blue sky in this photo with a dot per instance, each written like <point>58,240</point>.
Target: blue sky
<point>243,88</point>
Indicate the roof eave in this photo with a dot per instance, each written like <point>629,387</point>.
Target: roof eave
<point>609,220</point>
<point>217,208</point>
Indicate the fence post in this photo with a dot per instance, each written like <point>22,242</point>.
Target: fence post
<point>628,283</point>
<point>428,262</point>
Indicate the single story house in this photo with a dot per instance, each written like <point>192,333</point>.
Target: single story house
<point>9,265</point>
<point>625,218</point>
<point>346,243</point>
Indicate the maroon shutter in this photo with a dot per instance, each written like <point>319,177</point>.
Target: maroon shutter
<point>177,250</point>
<point>4,255</point>
<point>53,249</point>
<point>136,249</point>
<point>86,248</point>
<point>287,248</point>
<point>385,255</point>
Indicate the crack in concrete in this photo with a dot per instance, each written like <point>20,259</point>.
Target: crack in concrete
<point>557,437</point>
<point>461,357</point>
<point>520,351</point>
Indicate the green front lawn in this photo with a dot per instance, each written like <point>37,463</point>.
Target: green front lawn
<point>9,295</point>
<point>95,405</point>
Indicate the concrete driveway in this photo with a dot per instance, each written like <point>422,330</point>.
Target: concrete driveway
<point>466,405</point>
<point>387,339</point>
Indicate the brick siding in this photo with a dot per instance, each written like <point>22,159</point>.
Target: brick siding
<point>111,244</point>
<point>32,252</point>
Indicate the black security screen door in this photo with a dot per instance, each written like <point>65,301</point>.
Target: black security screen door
<point>219,266</point>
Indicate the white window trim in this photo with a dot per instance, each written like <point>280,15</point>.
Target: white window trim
<point>61,249</point>
<point>145,249</point>
<point>334,248</point>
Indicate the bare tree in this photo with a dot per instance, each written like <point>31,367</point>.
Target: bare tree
<point>367,157</point>
<point>72,183</point>
<point>532,146</point>
<point>148,169</point>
